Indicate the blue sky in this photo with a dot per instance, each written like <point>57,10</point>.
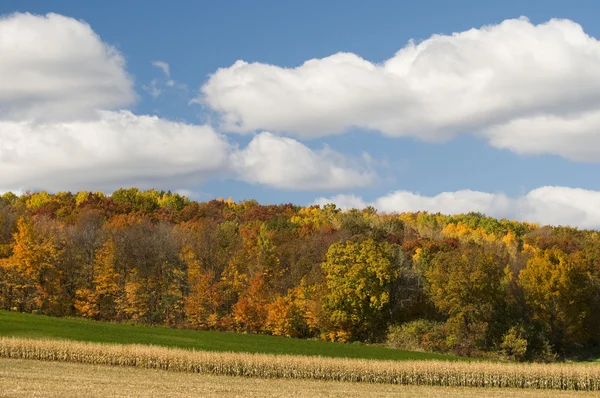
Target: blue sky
<point>195,39</point>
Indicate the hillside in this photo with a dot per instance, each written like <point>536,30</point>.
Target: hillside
<point>465,284</point>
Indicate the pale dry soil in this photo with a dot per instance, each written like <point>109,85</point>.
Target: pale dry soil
<point>31,378</point>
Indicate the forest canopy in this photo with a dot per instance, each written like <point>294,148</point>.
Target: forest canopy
<point>467,284</point>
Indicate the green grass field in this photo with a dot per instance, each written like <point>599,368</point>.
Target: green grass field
<point>38,326</point>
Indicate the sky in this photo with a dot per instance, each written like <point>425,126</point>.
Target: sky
<point>440,106</point>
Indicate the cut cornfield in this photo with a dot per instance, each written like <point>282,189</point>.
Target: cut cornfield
<point>585,377</point>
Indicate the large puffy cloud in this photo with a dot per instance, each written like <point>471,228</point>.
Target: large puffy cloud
<point>545,205</point>
<point>58,84</point>
<point>55,67</point>
<point>286,163</point>
<point>116,148</point>
<point>120,148</point>
<point>501,81</point>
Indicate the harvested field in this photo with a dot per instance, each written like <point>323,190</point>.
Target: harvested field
<point>24,378</point>
<point>582,377</point>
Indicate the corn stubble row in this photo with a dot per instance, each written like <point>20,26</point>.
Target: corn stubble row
<point>427,373</point>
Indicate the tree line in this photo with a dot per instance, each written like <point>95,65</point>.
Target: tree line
<point>467,284</point>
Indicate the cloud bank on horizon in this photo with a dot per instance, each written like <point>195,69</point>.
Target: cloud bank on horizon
<point>546,205</point>
<point>66,123</point>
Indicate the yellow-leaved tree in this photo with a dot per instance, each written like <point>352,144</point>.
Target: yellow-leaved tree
<point>359,277</point>
<point>34,263</point>
<point>557,290</point>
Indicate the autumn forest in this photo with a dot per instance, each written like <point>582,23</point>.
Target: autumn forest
<point>464,284</point>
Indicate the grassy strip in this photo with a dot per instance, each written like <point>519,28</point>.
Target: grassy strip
<point>426,373</point>
<point>38,326</point>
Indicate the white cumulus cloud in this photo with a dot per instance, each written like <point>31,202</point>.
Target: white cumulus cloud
<point>55,67</point>
<point>286,163</point>
<point>546,205</point>
<point>506,82</point>
<point>561,206</point>
<point>116,148</point>
<point>574,136</point>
